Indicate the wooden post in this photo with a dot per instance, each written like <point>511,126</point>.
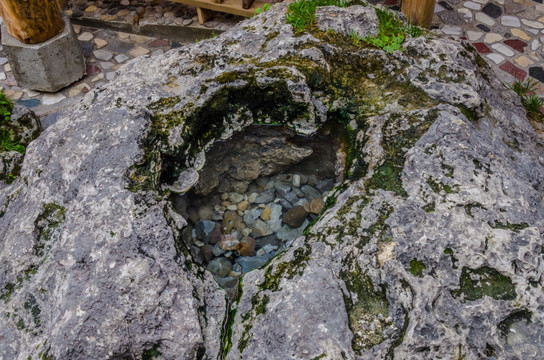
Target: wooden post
<point>63,4</point>
<point>32,21</point>
<point>419,12</point>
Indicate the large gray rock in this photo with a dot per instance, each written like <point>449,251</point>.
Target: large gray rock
<point>431,248</point>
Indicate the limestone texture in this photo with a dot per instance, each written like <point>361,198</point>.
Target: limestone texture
<point>430,248</point>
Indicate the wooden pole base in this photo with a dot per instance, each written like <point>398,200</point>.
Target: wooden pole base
<point>32,21</point>
<point>419,12</point>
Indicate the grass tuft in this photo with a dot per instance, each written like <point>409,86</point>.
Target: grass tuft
<point>533,103</point>
<point>530,100</point>
<point>301,13</point>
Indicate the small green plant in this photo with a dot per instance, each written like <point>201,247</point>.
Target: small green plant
<point>7,143</point>
<point>530,100</point>
<point>355,39</point>
<point>264,8</point>
<point>392,31</point>
<point>533,103</point>
<point>301,13</point>
<point>5,107</point>
<point>414,31</point>
<point>524,88</point>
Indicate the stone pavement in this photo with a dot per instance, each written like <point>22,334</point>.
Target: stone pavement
<point>509,34</point>
<point>105,52</point>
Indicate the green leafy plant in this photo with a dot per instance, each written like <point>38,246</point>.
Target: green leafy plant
<point>7,143</point>
<point>301,13</point>
<point>391,31</point>
<point>264,8</point>
<point>5,107</point>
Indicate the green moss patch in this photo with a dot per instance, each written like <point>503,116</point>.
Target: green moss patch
<point>417,267</point>
<point>396,142</point>
<point>484,281</point>
<point>287,269</point>
<point>449,251</point>
<point>51,217</point>
<point>437,186</point>
<point>152,354</point>
<point>371,307</point>
<point>469,208</point>
<point>509,226</point>
<point>31,305</point>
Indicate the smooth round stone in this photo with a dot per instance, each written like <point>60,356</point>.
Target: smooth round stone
<point>242,205</point>
<point>265,215</point>
<point>260,229</point>
<point>235,197</point>
<point>251,198</point>
<point>315,206</point>
<point>295,216</point>
<point>296,180</point>
<point>86,36</point>
<point>205,212</point>
<point>220,267</point>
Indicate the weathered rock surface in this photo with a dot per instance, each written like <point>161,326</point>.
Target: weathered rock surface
<point>431,248</point>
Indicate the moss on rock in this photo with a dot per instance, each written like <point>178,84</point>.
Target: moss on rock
<point>484,281</point>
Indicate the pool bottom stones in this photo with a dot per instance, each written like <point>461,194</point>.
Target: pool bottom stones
<point>257,193</point>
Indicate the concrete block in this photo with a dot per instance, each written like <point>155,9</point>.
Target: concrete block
<point>48,66</point>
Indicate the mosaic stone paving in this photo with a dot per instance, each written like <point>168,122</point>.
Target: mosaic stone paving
<point>509,34</point>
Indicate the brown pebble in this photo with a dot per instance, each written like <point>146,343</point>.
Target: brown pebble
<point>216,235</point>
<point>242,205</point>
<point>295,217</point>
<point>315,206</point>
<point>265,215</point>
<point>206,252</point>
<point>247,246</point>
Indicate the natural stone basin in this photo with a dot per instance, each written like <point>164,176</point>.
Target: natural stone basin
<point>430,248</point>
<point>257,193</point>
